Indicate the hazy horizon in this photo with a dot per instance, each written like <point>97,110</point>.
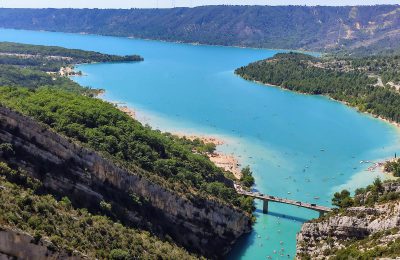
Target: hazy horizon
<point>127,4</point>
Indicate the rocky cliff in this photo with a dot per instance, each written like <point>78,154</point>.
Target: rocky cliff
<point>369,230</point>
<point>68,169</point>
<point>15,244</point>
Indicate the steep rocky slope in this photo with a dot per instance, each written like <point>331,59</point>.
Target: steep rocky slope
<point>38,225</point>
<point>290,27</point>
<point>363,232</point>
<point>19,245</point>
<point>66,168</point>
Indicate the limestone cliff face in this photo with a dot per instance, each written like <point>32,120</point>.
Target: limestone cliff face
<point>87,178</point>
<point>319,239</point>
<point>15,244</point>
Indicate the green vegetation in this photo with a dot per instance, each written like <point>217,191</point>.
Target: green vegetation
<point>393,167</point>
<point>30,84</point>
<point>311,75</point>
<point>359,243</point>
<point>51,58</point>
<point>288,27</point>
<point>33,78</point>
<point>23,206</point>
<point>247,178</point>
<point>387,67</point>
<point>198,146</point>
<point>34,66</point>
<point>374,246</point>
<point>342,199</point>
<point>165,159</point>
<point>373,249</point>
<point>369,196</point>
<point>178,164</point>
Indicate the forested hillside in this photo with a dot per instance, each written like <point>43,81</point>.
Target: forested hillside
<point>166,159</point>
<point>59,140</point>
<point>369,84</point>
<point>33,66</point>
<point>365,29</point>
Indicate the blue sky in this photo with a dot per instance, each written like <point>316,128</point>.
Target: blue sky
<point>171,3</point>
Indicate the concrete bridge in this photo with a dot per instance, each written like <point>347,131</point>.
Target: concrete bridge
<point>267,198</point>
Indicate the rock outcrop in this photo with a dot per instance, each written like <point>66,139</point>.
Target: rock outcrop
<point>321,238</point>
<point>15,244</point>
<point>68,169</point>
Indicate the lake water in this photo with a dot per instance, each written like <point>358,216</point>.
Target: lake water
<point>298,146</point>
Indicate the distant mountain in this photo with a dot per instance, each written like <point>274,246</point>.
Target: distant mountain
<point>365,28</point>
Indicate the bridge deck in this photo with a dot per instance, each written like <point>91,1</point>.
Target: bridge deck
<point>285,201</point>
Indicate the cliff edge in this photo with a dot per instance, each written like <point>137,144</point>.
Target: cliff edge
<point>368,229</point>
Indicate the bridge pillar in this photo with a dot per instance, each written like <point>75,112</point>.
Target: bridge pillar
<point>265,206</point>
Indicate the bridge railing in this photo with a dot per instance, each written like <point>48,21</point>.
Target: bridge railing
<point>266,198</point>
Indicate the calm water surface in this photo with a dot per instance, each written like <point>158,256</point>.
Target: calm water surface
<point>298,146</point>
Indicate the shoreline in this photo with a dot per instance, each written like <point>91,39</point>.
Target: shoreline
<point>396,125</point>
<point>393,123</point>
<point>387,173</point>
<point>230,162</point>
<point>227,162</point>
<point>176,42</point>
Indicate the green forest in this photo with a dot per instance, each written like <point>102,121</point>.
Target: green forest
<point>307,74</point>
<point>99,125</point>
<point>32,86</point>
<point>75,112</point>
<point>33,66</point>
<point>54,54</point>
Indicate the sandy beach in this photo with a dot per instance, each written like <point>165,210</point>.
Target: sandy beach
<point>205,139</point>
<point>227,162</point>
<point>128,111</point>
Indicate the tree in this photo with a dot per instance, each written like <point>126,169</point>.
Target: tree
<point>342,199</point>
<point>119,254</point>
<point>247,178</point>
<point>6,150</point>
<point>378,185</point>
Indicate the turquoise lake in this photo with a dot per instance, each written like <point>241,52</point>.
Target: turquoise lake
<point>298,146</point>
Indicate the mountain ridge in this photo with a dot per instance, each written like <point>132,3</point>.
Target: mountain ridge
<point>318,28</point>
